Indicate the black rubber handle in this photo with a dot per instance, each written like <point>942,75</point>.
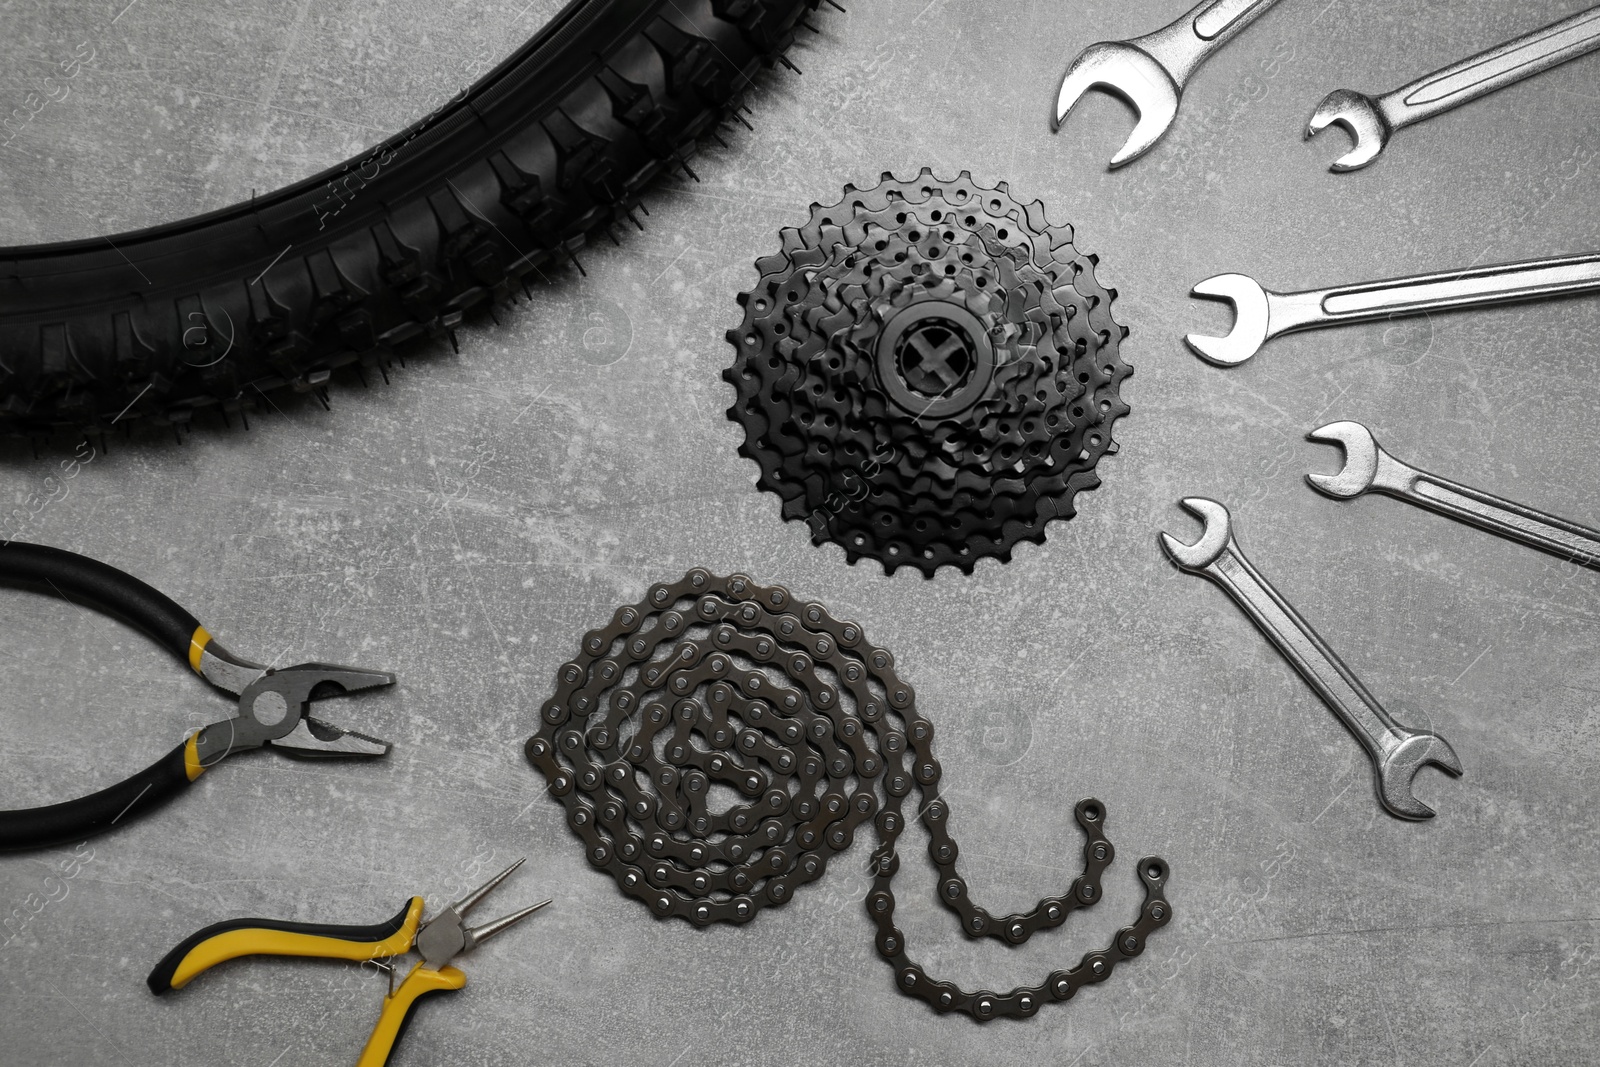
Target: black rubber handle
<point>74,820</point>
<point>56,572</point>
<point>160,979</point>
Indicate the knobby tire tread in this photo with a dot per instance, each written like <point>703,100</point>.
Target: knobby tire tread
<point>507,180</point>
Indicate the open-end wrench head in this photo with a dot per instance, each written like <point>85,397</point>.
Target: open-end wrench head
<point>1132,74</point>
<point>1400,766</point>
<point>1213,540</point>
<point>1360,460</point>
<point>1359,115</point>
<point>1250,312</point>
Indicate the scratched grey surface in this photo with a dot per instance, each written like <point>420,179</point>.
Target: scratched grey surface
<point>464,524</point>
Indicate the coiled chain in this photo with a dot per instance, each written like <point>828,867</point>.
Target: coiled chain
<point>721,686</point>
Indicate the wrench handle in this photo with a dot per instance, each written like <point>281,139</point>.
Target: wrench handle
<point>1473,287</point>
<point>1220,21</point>
<point>1306,651</point>
<point>1489,512</point>
<point>1487,71</point>
<point>1187,42</point>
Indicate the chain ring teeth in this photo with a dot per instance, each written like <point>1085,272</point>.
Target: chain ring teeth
<point>998,420</point>
<point>812,736</point>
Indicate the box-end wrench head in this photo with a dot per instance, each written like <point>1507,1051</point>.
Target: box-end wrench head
<point>1361,117</point>
<point>1252,320</point>
<point>1397,752</point>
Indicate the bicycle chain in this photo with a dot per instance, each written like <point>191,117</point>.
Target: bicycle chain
<point>806,729</point>
<point>927,372</point>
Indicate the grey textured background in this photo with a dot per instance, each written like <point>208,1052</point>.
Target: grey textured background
<point>466,523</point>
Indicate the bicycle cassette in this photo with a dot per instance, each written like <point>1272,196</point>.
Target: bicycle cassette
<point>927,373</point>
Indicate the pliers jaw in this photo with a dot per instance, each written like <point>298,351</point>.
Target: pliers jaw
<point>446,935</point>
<point>275,710</point>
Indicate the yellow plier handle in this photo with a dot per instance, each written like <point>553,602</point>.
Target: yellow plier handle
<point>269,937</point>
<point>397,1007</point>
<point>441,939</point>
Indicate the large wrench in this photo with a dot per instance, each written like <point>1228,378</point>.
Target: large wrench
<point>1397,752</point>
<point>1261,314</point>
<point>1371,121</point>
<point>1368,466</point>
<point>1149,72</point>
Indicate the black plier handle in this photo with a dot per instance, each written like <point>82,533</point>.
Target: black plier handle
<point>85,581</point>
<point>56,572</point>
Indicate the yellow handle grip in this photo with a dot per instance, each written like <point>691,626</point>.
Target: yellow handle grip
<point>397,1008</point>
<point>191,757</point>
<point>264,937</point>
<point>197,648</point>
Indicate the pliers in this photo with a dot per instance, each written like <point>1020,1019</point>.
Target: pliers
<point>273,704</point>
<point>437,941</point>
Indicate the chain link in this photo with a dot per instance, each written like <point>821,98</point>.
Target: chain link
<point>722,684</point>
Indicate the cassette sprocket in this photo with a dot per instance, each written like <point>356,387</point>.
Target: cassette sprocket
<point>927,372</point>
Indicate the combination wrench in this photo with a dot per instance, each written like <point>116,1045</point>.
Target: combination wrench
<point>1149,72</point>
<point>1371,121</point>
<point>1368,467</point>
<point>1397,752</point>
<point>1262,314</point>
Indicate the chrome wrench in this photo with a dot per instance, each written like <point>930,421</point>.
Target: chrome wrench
<point>1372,120</point>
<point>1397,753</point>
<point>1261,314</point>
<point>1149,72</point>
<point>1368,467</point>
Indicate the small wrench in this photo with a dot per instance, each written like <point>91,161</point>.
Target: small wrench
<point>1372,120</point>
<point>1397,753</point>
<point>1262,314</point>
<point>1368,466</point>
<point>1149,72</point>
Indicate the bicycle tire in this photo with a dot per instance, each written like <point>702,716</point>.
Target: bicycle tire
<point>514,174</point>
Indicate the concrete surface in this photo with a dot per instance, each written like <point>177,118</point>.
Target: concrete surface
<point>464,524</point>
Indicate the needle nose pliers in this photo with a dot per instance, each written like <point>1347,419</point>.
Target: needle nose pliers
<point>273,705</point>
<point>437,941</point>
